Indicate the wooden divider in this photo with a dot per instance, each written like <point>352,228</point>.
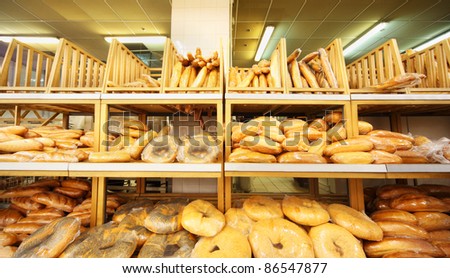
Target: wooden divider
<point>123,70</point>
<point>74,70</point>
<point>380,64</point>
<point>279,54</point>
<point>24,69</point>
<point>434,62</point>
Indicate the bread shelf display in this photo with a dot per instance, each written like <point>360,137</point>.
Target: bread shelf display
<point>264,77</point>
<point>126,73</point>
<point>378,69</point>
<point>193,73</point>
<point>35,74</point>
<point>320,72</point>
<point>75,70</point>
<point>434,63</point>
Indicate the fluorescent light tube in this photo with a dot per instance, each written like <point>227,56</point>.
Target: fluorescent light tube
<point>432,41</point>
<point>364,38</point>
<point>42,40</point>
<point>264,41</point>
<point>138,39</point>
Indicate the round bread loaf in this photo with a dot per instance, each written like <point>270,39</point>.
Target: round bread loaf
<point>165,218</point>
<point>304,211</point>
<point>333,241</point>
<point>239,220</point>
<point>357,223</point>
<point>228,243</point>
<point>176,245</point>
<point>280,238</point>
<point>161,149</point>
<point>262,207</point>
<point>201,218</point>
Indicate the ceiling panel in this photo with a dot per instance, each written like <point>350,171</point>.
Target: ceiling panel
<point>12,28</point>
<point>39,9</point>
<point>353,29</point>
<point>68,9</point>
<point>157,10</point>
<point>39,28</point>
<point>252,10</point>
<point>440,10</point>
<point>379,9</point>
<point>412,9</point>
<point>127,10</point>
<point>408,43</point>
<point>314,44</point>
<point>163,27</point>
<point>243,55</point>
<point>248,30</point>
<point>142,28</point>
<point>246,44</point>
<point>302,29</point>
<point>80,30</point>
<point>285,10</point>
<point>115,28</point>
<point>327,28</point>
<point>313,10</point>
<point>11,10</point>
<point>349,9</point>
<point>98,10</point>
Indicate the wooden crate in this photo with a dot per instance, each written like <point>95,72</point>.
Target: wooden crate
<point>434,62</point>
<point>379,65</point>
<point>31,76</point>
<point>124,68</point>
<point>75,71</point>
<point>170,59</point>
<point>337,62</point>
<point>278,53</point>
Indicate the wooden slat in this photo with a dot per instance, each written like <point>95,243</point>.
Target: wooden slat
<point>18,68</point>
<point>29,67</point>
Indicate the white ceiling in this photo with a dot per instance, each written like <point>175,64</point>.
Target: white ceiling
<point>306,24</point>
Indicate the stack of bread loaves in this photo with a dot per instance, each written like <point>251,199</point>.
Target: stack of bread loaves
<point>43,144</point>
<point>414,220</point>
<point>312,71</point>
<point>40,203</point>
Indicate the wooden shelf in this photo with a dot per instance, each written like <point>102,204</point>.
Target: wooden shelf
<point>305,170</point>
<point>396,97</point>
<point>287,97</point>
<point>141,169</point>
<point>416,171</point>
<point>34,169</point>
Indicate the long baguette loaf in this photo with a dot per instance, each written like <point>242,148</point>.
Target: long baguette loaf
<point>295,74</point>
<point>26,203</point>
<point>22,228</point>
<point>301,157</point>
<point>5,137</point>
<point>47,212</point>
<point>240,155</point>
<point>348,145</point>
<point>23,191</point>
<point>308,74</point>
<point>433,221</point>
<point>387,133</point>
<point>393,245</point>
<point>352,158</point>
<point>418,202</point>
<point>400,229</point>
<point>55,200</point>
<point>394,215</point>
<point>14,157</point>
<point>9,216</point>
<point>55,157</point>
<point>106,157</point>
<point>15,129</point>
<point>40,220</point>
<point>327,69</point>
<point>275,68</point>
<point>382,157</point>
<point>21,145</point>
<point>364,127</point>
<point>70,192</point>
<point>76,184</point>
<point>294,55</point>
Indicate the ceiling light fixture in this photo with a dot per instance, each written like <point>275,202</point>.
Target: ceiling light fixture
<point>432,41</point>
<point>379,27</point>
<point>41,40</point>
<point>264,41</point>
<point>138,39</point>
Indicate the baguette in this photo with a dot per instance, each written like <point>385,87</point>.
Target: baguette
<point>21,145</point>
<point>9,216</point>
<point>26,203</point>
<point>348,145</point>
<point>382,157</point>
<point>413,202</point>
<point>261,144</point>
<point>275,68</point>
<point>176,74</point>
<point>55,200</point>
<point>364,127</point>
<point>70,192</point>
<point>319,124</point>
<point>22,228</point>
<point>15,129</point>
<point>106,157</point>
<point>184,79</point>
<point>295,74</point>
<point>5,137</point>
<point>412,157</point>
<point>7,239</point>
<point>294,55</point>
<point>80,154</point>
<point>232,77</point>
<point>213,79</point>
<point>352,158</point>
<point>138,146</point>
<point>387,133</point>
<point>402,230</point>
<point>296,143</point>
<point>14,157</point>
<point>433,221</point>
<point>247,80</point>
<point>309,57</point>
<point>394,215</point>
<point>308,74</point>
<point>55,157</point>
<point>46,212</point>
<point>327,70</point>
<point>23,191</point>
<point>393,245</point>
<point>47,142</point>
<point>40,220</point>
<point>301,157</point>
<point>391,191</point>
<point>319,145</point>
<point>200,79</point>
<point>7,251</point>
<point>77,184</point>
<point>240,155</point>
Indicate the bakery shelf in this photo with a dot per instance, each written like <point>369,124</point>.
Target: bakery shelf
<point>305,170</point>
<point>145,170</point>
<point>34,73</point>
<point>286,97</point>
<point>417,171</point>
<point>160,97</point>
<point>123,68</point>
<point>34,169</point>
